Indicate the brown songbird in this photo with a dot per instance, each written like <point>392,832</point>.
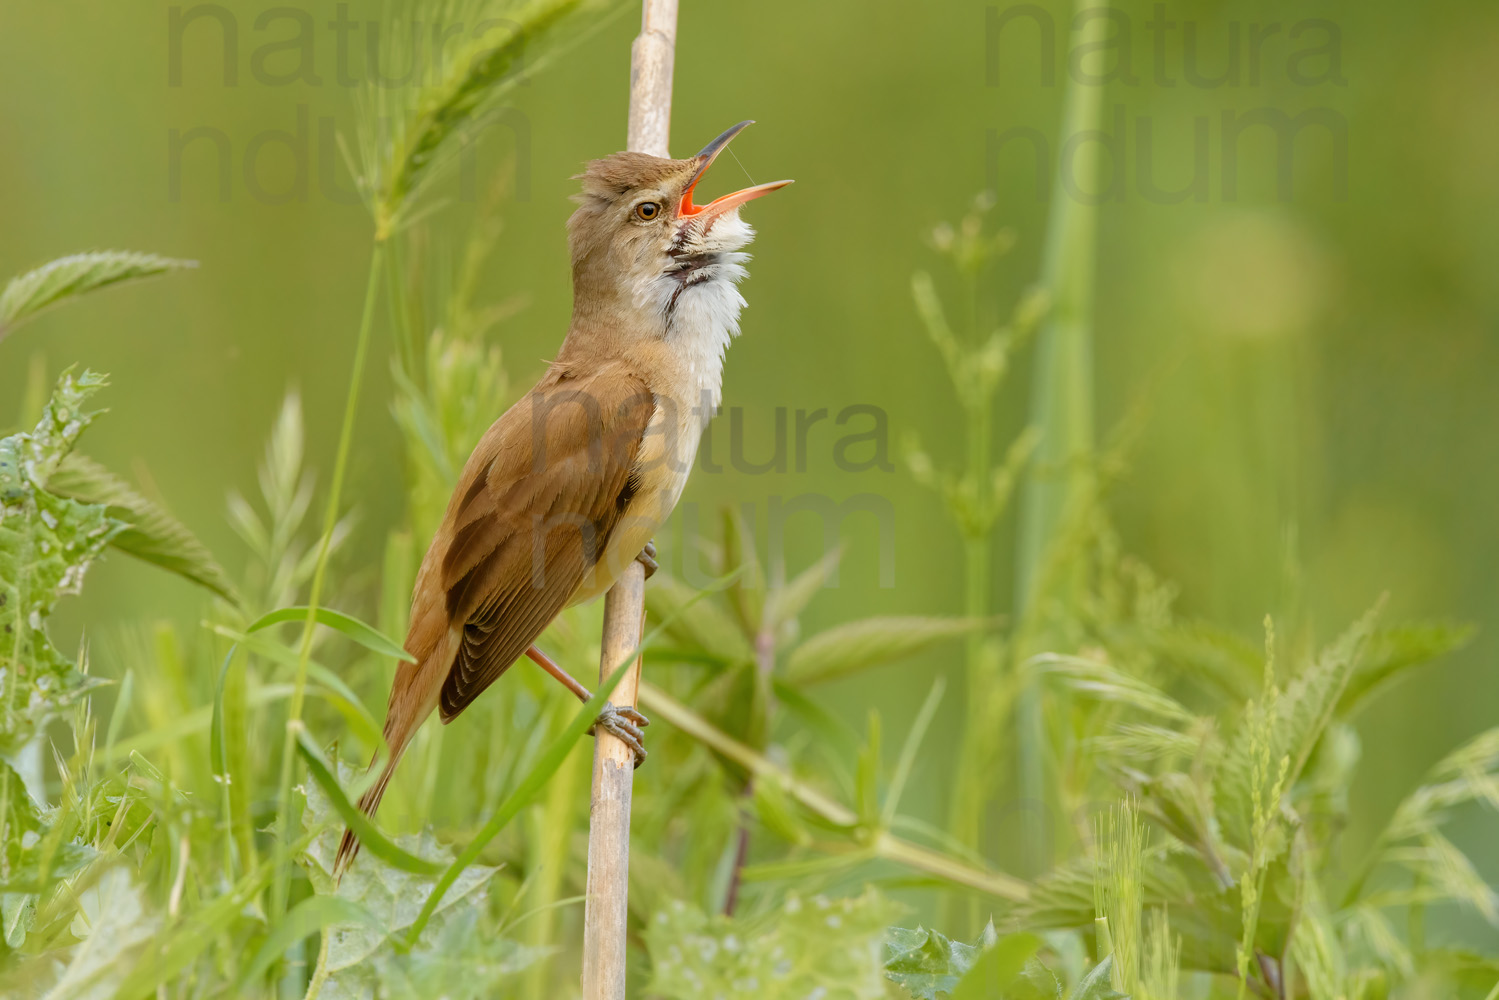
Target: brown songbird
<point>569,485</point>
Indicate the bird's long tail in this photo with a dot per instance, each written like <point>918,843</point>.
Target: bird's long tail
<point>403,717</point>
<point>348,847</point>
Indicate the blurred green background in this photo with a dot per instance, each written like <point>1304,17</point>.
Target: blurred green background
<point>1317,370</point>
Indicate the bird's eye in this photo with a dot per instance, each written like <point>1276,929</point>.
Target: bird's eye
<point>647,210</point>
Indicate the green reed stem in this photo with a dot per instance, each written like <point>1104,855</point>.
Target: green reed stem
<point>1062,412</point>
<point>282,879</point>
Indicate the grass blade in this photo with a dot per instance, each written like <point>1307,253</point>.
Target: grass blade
<point>855,646</point>
<point>307,917</point>
<point>369,835</point>
<point>366,635</point>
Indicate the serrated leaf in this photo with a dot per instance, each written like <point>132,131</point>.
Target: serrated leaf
<point>1104,682</point>
<point>370,836</point>
<point>67,277</point>
<point>1098,983</point>
<point>856,646</point>
<point>1471,772</point>
<point>815,947</point>
<point>1300,715</point>
<point>997,967</point>
<point>150,533</point>
<point>113,924</point>
<point>1036,982</point>
<point>926,963</point>
<point>1392,651</point>
<point>47,542</point>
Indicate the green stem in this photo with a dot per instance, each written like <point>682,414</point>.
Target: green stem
<point>882,843</point>
<point>1062,411</point>
<point>282,882</point>
<point>13,681</point>
<point>320,973</point>
<point>975,772</point>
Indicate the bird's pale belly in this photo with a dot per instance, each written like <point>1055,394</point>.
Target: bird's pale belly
<point>666,455</point>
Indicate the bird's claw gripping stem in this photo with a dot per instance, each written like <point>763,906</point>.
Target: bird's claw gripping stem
<point>647,558</point>
<point>624,723</point>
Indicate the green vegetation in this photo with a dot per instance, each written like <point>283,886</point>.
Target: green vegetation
<point>853,793</point>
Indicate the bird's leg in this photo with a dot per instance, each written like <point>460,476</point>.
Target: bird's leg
<point>622,721</point>
<point>647,558</point>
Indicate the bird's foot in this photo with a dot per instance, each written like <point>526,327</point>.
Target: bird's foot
<point>647,558</point>
<point>624,724</point>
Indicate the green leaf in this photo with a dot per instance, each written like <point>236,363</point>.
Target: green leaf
<point>1098,983</point>
<point>364,956</point>
<point>535,780</point>
<point>847,649</point>
<point>150,532</point>
<point>173,951</point>
<point>747,594</point>
<point>308,917</point>
<point>815,947</point>
<point>776,813</point>
<point>697,625</point>
<point>1100,680</point>
<point>907,759</point>
<point>1298,718</point>
<point>366,635</point>
<point>115,925</point>
<point>47,542</point>
<point>786,602</point>
<point>1392,651</point>
<point>997,967</point>
<point>67,277</point>
<point>374,841</point>
<point>335,690</point>
<point>926,963</point>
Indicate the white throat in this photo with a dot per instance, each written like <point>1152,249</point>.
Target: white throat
<point>699,302</point>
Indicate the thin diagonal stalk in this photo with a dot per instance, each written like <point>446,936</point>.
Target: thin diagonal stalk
<point>282,880</point>
<point>882,843</point>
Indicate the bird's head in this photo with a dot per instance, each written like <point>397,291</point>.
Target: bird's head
<point>640,242</point>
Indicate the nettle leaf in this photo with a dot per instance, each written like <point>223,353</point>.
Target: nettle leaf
<point>1098,983</point>
<point>1392,651</point>
<point>928,965</point>
<point>461,954</point>
<point>46,544</point>
<point>150,533</point>
<point>1300,715</point>
<point>28,294</point>
<point>828,948</point>
<point>114,924</point>
<point>847,649</point>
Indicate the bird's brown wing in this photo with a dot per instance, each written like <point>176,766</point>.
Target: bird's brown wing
<point>531,517</point>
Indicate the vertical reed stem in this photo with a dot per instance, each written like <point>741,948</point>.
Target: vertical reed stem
<point>606,911</point>
<point>1062,411</point>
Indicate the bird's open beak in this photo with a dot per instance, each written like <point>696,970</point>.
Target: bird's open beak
<point>729,201</point>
